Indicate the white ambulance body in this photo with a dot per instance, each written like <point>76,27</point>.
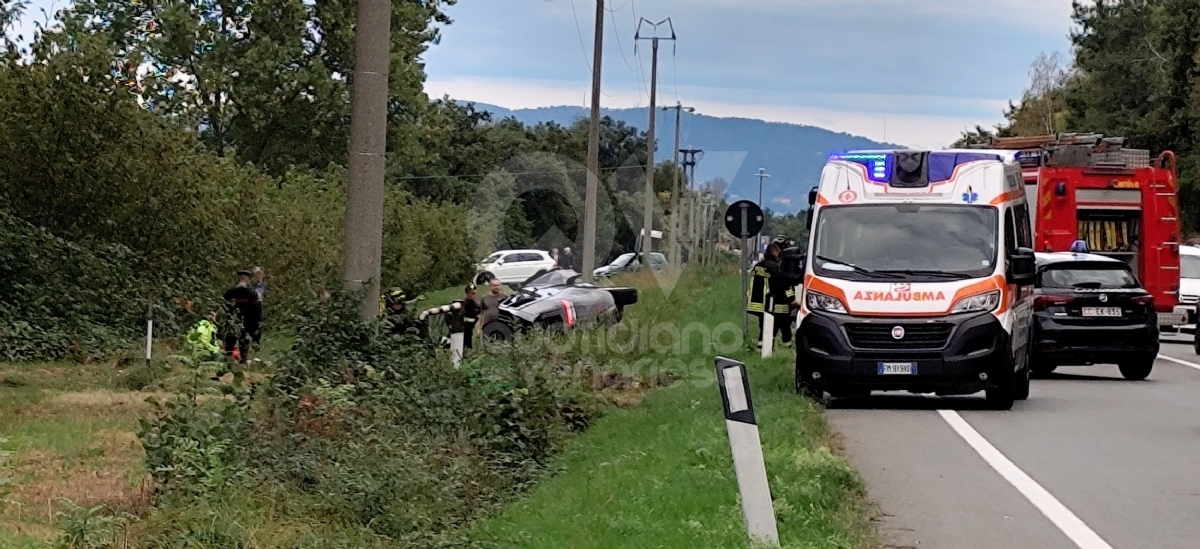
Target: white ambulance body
<point>918,277</point>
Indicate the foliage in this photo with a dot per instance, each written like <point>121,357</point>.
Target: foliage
<point>193,447</point>
<point>369,430</point>
<point>90,527</point>
<point>1135,74</point>
<point>59,299</point>
<point>268,79</point>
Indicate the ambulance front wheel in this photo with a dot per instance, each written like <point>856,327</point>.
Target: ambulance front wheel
<point>807,386</point>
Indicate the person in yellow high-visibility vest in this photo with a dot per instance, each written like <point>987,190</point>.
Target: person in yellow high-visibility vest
<point>201,340</point>
<point>769,289</point>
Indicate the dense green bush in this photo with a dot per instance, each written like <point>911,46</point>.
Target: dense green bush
<point>108,203</point>
<point>60,299</point>
<point>369,431</point>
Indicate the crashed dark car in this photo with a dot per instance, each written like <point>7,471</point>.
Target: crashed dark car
<point>558,300</point>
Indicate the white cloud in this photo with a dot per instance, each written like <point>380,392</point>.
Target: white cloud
<point>783,201</point>
<point>910,129</point>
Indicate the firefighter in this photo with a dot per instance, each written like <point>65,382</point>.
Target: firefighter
<point>396,310</point>
<point>768,286</point>
<point>781,288</point>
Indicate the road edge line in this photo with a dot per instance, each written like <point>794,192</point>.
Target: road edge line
<point>1179,361</point>
<point>1062,517</point>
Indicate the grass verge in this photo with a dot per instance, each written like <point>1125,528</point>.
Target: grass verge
<point>661,474</point>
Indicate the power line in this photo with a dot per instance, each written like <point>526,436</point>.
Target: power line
<point>621,47</point>
<point>675,74</point>
<point>583,46</point>
<point>579,30</point>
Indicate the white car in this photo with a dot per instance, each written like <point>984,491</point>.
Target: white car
<point>630,262</point>
<point>514,266</point>
<point>1189,283</point>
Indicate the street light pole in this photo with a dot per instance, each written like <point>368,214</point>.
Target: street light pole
<point>762,174</point>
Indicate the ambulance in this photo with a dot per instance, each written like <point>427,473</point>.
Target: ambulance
<point>919,276</point>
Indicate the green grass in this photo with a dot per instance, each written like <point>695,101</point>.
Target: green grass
<point>661,473</point>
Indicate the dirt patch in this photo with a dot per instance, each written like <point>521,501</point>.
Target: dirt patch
<point>106,399</point>
<point>106,476</point>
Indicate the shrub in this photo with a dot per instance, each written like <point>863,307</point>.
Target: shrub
<point>371,430</point>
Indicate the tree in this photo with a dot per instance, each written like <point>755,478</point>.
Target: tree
<point>292,62</point>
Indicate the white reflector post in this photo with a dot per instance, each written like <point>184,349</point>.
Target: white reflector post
<point>768,328</point>
<point>149,339</point>
<point>456,348</point>
<point>748,462</point>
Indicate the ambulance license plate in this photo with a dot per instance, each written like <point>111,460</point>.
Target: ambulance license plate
<point>897,368</point>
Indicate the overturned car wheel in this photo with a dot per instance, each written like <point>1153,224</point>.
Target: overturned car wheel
<point>497,331</point>
<point>483,278</point>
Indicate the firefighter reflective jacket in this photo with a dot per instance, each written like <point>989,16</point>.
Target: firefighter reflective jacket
<point>765,279</point>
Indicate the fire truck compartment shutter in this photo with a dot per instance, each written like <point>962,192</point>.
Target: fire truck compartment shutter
<point>1109,198</point>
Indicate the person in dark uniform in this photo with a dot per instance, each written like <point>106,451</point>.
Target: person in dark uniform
<point>245,312</point>
<point>768,288</point>
<point>470,312</point>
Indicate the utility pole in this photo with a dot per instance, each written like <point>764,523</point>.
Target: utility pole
<point>362,242</point>
<point>675,192</point>
<point>762,174</point>
<point>648,221</point>
<point>689,161</point>
<point>593,175</point>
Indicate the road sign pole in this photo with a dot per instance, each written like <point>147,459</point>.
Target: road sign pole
<point>742,264</point>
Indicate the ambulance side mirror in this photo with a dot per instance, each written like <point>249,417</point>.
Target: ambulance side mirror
<point>1022,269</point>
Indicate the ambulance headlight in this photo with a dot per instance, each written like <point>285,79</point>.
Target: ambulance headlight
<point>978,303</point>
<point>821,302</point>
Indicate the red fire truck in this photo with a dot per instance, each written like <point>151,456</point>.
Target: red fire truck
<point>1121,202</point>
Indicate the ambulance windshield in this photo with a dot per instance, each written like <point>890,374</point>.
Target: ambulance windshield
<point>914,242</point>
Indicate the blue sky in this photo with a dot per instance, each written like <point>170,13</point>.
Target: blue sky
<point>915,72</point>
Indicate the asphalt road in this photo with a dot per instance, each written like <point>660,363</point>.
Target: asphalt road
<point>1090,461</point>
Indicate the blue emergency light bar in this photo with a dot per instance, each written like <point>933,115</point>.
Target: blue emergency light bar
<point>878,164</point>
<point>941,164</point>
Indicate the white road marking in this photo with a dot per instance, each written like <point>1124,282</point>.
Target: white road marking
<point>1181,362</point>
<point>1063,518</point>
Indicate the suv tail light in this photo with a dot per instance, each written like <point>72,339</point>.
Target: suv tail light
<point>1041,302</point>
<point>1144,300</point>
<point>568,313</point>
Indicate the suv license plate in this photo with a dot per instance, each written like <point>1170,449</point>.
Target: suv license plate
<point>1102,311</point>
<point>897,368</point>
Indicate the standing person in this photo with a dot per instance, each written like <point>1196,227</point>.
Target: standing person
<point>782,292</point>
<point>767,281</point>
<point>554,256</point>
<point>756,295</point>
<point>260,284</point>
<point>567,261</point>
<point>470,312</point>
<point>246,309</point>
<point>260,288</point>
<point>490,306</point>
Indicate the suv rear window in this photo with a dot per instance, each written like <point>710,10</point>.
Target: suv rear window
<point>1089,277</point>
<point>1190,265</point>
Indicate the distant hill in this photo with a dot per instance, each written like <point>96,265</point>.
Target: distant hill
<point>793,154</point>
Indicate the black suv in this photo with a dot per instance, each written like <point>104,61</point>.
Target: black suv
<point>1091,309</point>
